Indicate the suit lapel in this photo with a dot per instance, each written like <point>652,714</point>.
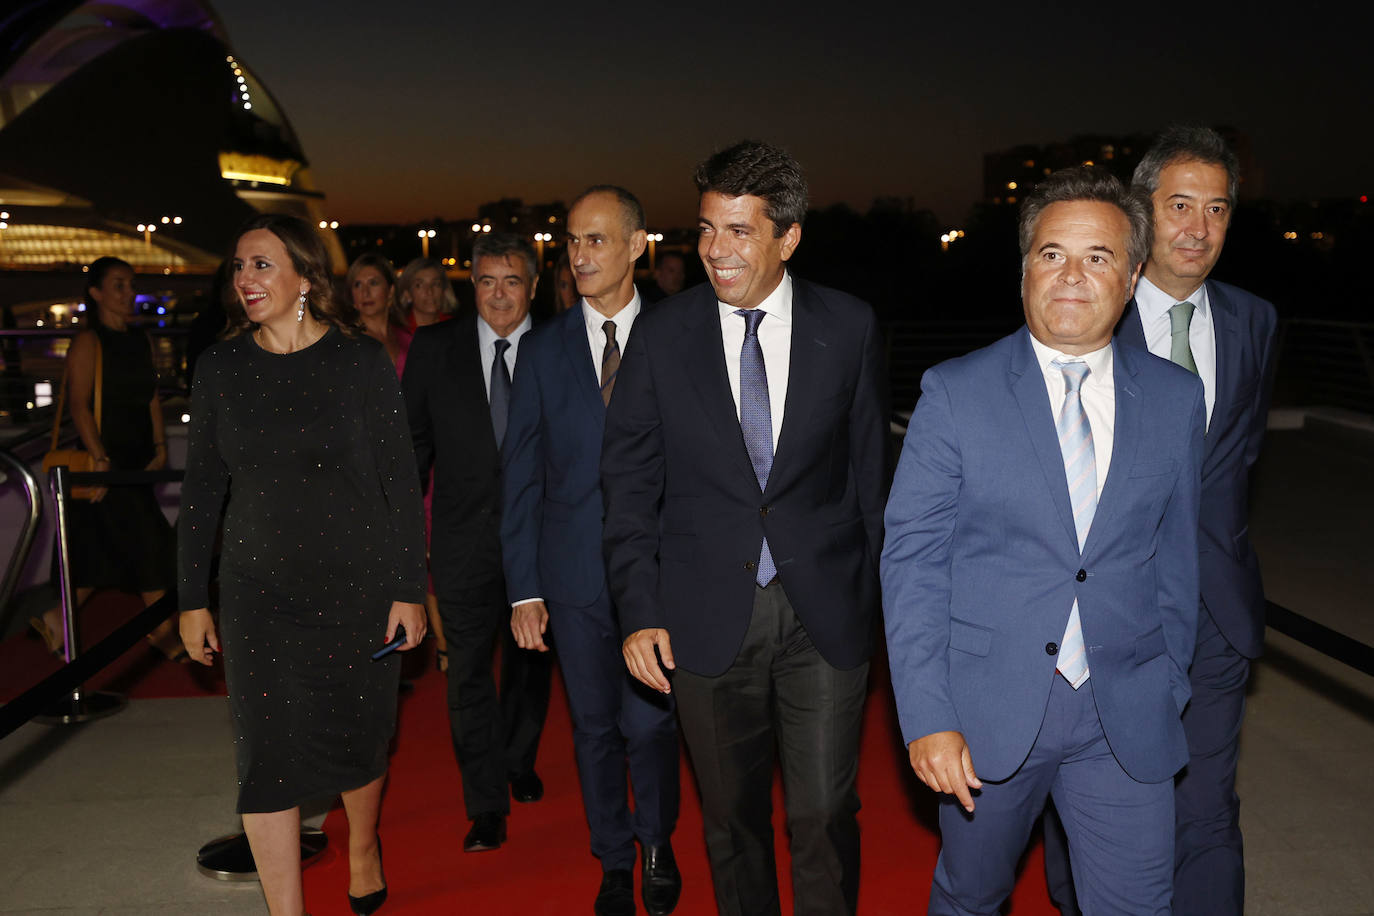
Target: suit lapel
<point>1129,328</point>
<point>704,354</point>
<point>1028,386</point>
<point>809,343</point>
<point>1126,433</point>
<point>580,366</point>
<point>1227,341</point>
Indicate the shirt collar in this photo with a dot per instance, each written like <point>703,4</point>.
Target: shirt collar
<point>1099,361</point>
<point>623,318</point>
<point>778,303</point>
<point>487,337</point>
<point>1154,303</point>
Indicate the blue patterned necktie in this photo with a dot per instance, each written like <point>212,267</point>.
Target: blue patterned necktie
<point>500,390</point>
<point>1080,469</point>
<point>1180,350</point>
<point>756,419</point>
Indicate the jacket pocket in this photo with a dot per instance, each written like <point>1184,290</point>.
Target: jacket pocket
<point>1149,646</point>
<point>1153,468</point>
<point>969,637</point>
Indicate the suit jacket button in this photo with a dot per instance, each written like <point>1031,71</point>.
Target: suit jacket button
<point>1051,648</point>
<point>763,510</point>
<point>750,564</point>
<point>1082,574</point>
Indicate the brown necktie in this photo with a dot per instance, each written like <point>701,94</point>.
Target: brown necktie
<point>610,362</point>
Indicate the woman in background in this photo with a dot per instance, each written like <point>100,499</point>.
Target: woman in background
<point>298,417</point>
<point>564,286</point>
<point>119,538</point>
<point>372,284</point>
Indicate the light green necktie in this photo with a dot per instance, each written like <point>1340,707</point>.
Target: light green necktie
<point>1180,316</point>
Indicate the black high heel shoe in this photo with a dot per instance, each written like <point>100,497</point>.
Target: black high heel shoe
<point>368,904</point>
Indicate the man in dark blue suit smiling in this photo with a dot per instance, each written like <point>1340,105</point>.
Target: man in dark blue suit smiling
<point>1040,572</point>
<point>551,540</point>
<point>744,472</point>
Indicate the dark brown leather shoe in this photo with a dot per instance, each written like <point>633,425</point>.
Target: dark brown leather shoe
<point>661,884</point>
<point>488,832</point>
<point>617,894</point>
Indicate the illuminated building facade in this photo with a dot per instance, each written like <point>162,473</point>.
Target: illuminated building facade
<point>130,127</point>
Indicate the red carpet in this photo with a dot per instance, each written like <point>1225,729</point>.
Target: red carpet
<point>545,867</point>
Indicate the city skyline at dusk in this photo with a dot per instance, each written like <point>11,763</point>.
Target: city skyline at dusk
<point>429,114</point>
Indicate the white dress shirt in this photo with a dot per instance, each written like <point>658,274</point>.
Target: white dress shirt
<point>775,339</point>
<point>486,345</point>
<point>1098,395</point>
<point>1154,304</point>
<point>596,337</point>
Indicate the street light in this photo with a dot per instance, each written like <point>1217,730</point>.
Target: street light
<point>148,229</point>
<point>425,235</point>
<point>539,239</point>
<point>653,237</point>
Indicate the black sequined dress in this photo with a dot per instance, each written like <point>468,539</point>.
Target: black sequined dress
<point>323,530</point>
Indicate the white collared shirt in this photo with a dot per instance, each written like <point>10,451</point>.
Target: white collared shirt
<point>1098,395</point>
<point>486,346</point>
<point>1154,304</point>
<point>596,336</point>
<point>775,339</point>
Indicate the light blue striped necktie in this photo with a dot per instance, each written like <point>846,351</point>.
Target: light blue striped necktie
<point>756,420</point>
<point>1080,469</point>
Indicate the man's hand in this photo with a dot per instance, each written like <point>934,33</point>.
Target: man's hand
<point>198,635</point>
<point>638,649</point>
<point>529,620</point>
<point>942,761</point>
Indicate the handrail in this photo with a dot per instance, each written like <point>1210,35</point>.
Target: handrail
<point>20,555</point>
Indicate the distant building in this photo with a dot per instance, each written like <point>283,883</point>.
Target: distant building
<point>1009,175</point>
<point>131,128</point>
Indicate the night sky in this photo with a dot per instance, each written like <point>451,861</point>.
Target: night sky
<point>411,110</point>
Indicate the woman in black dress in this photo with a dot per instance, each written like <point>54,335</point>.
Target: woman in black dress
<point>298,416</point>
<point>119,538</point>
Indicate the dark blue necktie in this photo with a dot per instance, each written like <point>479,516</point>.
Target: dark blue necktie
<point>500,390</point>
<point>756,419</point>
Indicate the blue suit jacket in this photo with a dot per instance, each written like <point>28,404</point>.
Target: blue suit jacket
<point>551,520</point>
<point>684,514</point>
<point>981,564</point>
<point>1229,570</point>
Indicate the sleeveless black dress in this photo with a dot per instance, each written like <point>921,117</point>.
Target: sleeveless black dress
<point>123,541</point>
<point>323,530</point>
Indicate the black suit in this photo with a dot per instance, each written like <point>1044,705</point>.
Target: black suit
<point>451,426</point>
<point>685,520</point>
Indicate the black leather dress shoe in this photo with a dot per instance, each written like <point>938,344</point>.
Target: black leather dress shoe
<point>488,832</point>
<point>617,894</point>
<point>526,787</point>
<point>662,882</point>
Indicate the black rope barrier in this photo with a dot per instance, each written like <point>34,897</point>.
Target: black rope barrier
<point>60,684</point>
<point>1325,640</point>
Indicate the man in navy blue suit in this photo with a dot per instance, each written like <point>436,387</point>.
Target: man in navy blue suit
<point>1226,336</point>
<point>1040,572</point>
<point>555,575</point>
<point>744,468</point>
